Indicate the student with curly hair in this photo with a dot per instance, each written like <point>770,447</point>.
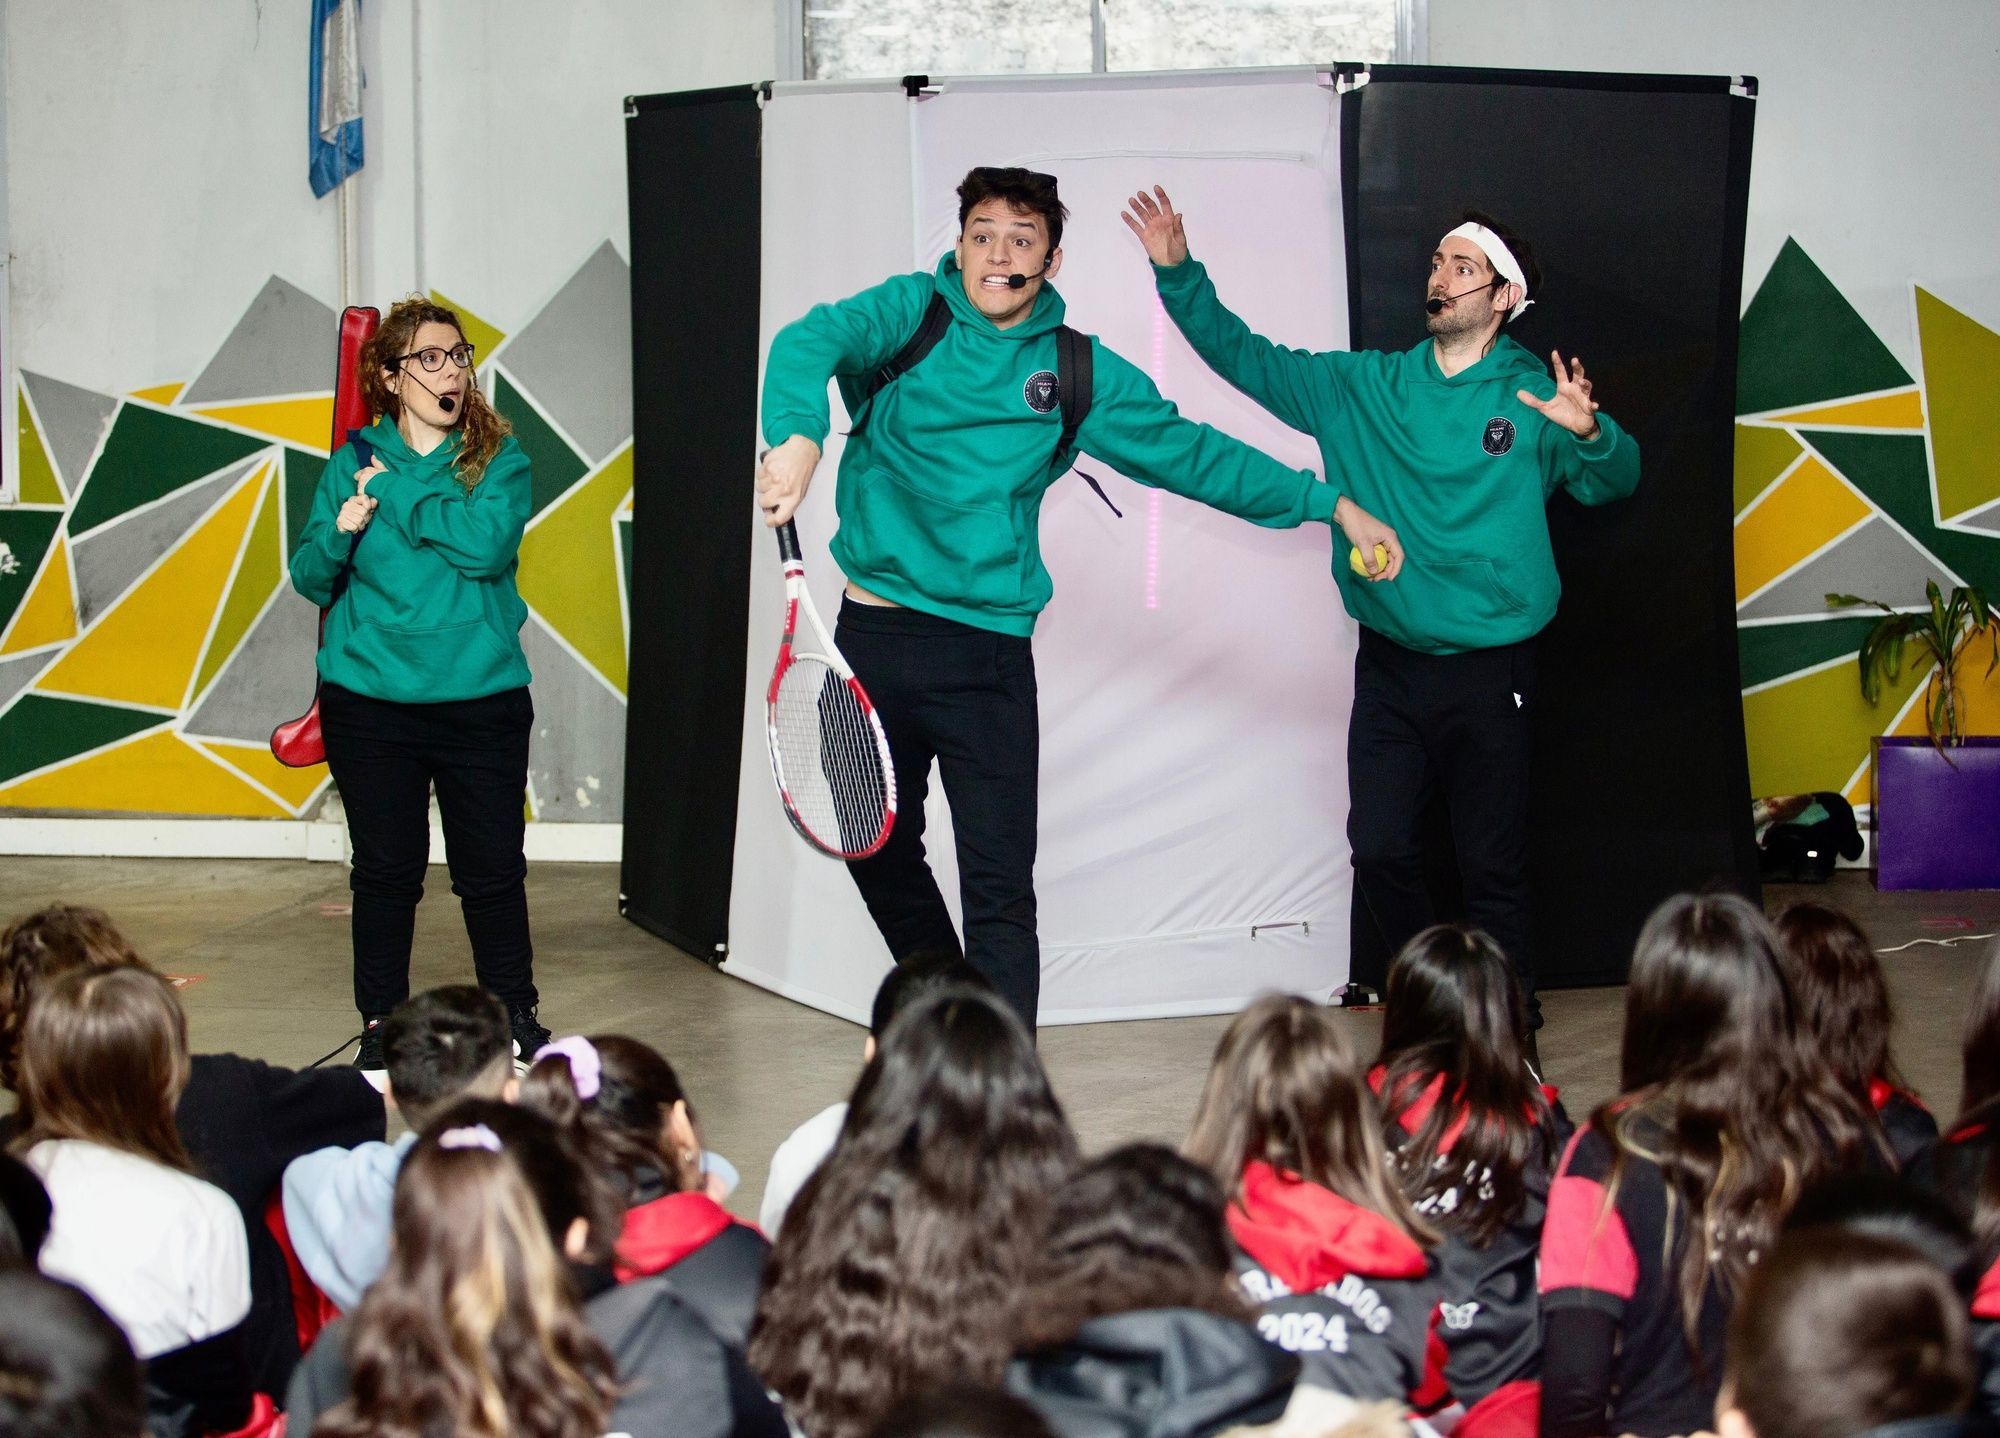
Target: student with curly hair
<point>423,681</point>
<point>903,1259</point>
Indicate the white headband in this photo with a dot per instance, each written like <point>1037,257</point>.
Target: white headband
<point>1500,257</point>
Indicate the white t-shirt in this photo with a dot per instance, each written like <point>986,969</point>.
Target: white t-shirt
<point>794,1162</point>
<point>160,1250</point>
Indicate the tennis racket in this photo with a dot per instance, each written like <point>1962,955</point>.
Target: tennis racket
<point>829,754</point>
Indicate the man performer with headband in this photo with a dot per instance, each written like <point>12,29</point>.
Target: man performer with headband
<point>940,499</point>
<point>1446,455</point>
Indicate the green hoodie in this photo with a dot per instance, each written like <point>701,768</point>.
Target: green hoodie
<point>940,494</point>
<point>430,612</point>
<point>1456,465</point>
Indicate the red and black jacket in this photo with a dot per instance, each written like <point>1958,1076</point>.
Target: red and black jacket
<point>1908,1124</point>
<point>1954,1167</point>
<point>1616,1355</point>
<point>1489,1318</point>
<point>1342,1287</point>
<point>713,1260</point>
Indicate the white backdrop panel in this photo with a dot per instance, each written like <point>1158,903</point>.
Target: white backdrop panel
<point>1195,671</point>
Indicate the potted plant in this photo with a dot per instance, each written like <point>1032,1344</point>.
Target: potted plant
<point>1936,799</point>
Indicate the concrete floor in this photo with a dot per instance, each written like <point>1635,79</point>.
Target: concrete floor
<point>266,946</point>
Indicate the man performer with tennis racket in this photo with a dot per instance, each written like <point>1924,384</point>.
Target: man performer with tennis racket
<point>1452,448</point>
<point>939,498</point>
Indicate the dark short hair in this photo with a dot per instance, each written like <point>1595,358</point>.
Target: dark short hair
<point>924,972</point>
<point>1027,190</point>
<point>24,1214</point>
<point>1838,1333</point>
<point>65,1367</point>
<point>1516,242</point>
<point>1887,1205</point>
<point>962,1410</point>
<point>439,1043</point>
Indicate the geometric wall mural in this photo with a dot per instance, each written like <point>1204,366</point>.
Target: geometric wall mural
<point>149,636</point>
<point>1853,476</point>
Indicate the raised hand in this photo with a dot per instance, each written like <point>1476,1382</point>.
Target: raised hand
<point>1572,407</point>
<point>1157,226</point>
<point>782,478</point>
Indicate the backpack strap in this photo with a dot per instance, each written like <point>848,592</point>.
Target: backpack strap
<point>1074,360</point>
<point>1074,377</point>
<point>931,329</point>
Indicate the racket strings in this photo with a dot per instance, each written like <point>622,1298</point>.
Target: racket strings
<point>835,780</point>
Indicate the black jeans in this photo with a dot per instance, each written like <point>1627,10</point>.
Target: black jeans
<point>385,757</point>
<point>1458,724</point>
<point>965,697</point>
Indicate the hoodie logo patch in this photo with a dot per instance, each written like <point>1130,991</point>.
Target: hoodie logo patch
<point>1041,391</point>
<point>1499,435</point>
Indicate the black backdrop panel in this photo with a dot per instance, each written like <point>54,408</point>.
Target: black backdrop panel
<point>1631,189</point>
<point>695,182</point>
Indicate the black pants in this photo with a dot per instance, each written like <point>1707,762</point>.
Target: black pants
<point>965,697</point>
<point>385,758</point>
<point>1450,724</point>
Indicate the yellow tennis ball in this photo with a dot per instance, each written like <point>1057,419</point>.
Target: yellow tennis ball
<point>1355,562</point>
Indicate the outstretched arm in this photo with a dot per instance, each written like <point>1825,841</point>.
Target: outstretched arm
<point>1295,385</point>
<point>1133,427</point>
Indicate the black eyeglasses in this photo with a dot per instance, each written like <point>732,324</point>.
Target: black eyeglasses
<point>432,358</point>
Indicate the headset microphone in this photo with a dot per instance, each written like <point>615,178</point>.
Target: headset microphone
<point>446,402</point>
<point>1020,282</point>
<point>1435,304</point>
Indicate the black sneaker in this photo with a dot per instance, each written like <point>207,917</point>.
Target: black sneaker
<point>368,1056</point>
<point>529,1037</point>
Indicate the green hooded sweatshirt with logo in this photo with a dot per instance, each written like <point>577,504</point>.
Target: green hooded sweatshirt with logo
<point>1455,464</point>
<point>940,491</point>
<point>430,612</point>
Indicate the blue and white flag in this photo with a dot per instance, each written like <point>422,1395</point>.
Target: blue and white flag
<point>334,93</point>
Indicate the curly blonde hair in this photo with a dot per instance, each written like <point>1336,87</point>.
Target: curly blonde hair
<point>482,428</point>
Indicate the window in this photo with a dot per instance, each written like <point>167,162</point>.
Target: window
<point>857,39</point>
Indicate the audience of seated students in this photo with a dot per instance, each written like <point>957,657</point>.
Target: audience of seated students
<point>497,1316</point>
<point>440,1046</point>
<point>66,1369</point>
<point>1334,1256</point>
<point>1475,1140</point>
<point>630,1118</point>
<point>1669,1193</point>
<point>808,1144</point>
<point>1843,1001</point>
<point>1842,1334</point>
<point>1963,1167</point>
<point>241,1120</point>
<point>902,1262</point>
<point>1132,1320</point>
<point>103,1059</point>
<point>1346,1251</point>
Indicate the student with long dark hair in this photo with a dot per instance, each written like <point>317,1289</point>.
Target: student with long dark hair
<point>1475,1141</point>
<point>1847,1335</point>
<point>1843,998</point>
<point>631,1118</point>
<point>497,1319</point>
<point>1668,1195</point>
<point>1133,1321</point>
<point>1334,1256</point>
<point>423,680</point>
<point>103,1059</point>
<point>1964,1167</point>
<point>903,1259</point>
